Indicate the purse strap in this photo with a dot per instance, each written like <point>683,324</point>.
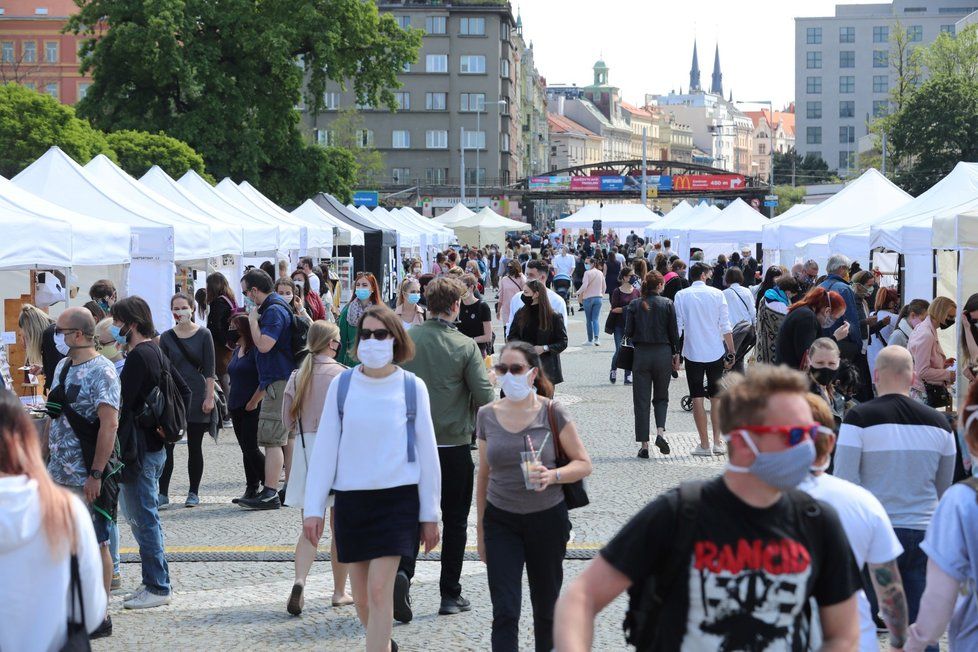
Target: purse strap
<point>552,420</point>
<point>76,590</point>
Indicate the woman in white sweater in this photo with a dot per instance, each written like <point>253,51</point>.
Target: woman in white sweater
<point>42,527</point>
<point>375,449</point>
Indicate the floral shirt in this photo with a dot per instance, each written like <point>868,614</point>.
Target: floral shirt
<point>88,385</point>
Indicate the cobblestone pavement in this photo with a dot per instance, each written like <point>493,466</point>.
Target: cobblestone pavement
<point>233,598</point>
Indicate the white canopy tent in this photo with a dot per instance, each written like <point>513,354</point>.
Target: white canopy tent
<point>457,213</point>
<point>320,236</point>
<point>612,216</point>
<point>678,212</point>
<point>702,214</point>
<point>443,235</point>
<point>408,235</point>
<point>737,223</point>
<point>486,227</point>
<point>344,236</point>
<point>237,196</point>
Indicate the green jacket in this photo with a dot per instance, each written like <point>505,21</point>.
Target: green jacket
<point>348,335</point>
<point>452,368</point>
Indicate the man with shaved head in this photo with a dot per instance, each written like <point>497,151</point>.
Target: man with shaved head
<point>902,451</point>
<point>84,407</point>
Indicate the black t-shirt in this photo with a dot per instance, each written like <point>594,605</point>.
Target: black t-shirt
<point>470,319</point>
<point>751,574</point>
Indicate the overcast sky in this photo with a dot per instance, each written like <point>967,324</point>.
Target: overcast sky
<point>648,45</point>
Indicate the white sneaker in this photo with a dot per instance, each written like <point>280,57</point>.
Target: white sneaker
<point>719,449</point>
<point>587,344</point>
<point>702,452</point>
<point>131,594</point>
<point>597,343</point>
<point>146,600</point>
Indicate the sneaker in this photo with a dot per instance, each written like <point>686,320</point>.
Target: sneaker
<point>613,376</point>
<point>628,378</point>
<point>192,500</point>
<point>162,502</point>
<point>250,492</point>
<point>116,582</point>
<point>597,343</point>
<point>134,592</point>
<point>662,444</point>
<point>281,494</point>
<point>450,606</point>
<point>296,600</point>
<point>146,600</point>
<point>104,630</point>
<point>702,452</point>
<point>402,598</point>
<point>227,424</point>
<point>719,449</point>
<point>588,343</point>
<point>267,499</point>
<point>643,453</point>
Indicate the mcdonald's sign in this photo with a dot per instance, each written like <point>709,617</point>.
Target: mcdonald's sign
<point>708,182</point>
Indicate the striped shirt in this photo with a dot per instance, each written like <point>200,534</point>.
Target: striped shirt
<point>900,450</point>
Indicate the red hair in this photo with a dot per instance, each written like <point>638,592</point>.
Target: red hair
<point>374,288</point>
<point>818,299</point>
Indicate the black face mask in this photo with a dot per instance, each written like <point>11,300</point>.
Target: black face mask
<point>233,336</point>
<point>946,325</point>
<point>527,300</point>
<point>824,375</point>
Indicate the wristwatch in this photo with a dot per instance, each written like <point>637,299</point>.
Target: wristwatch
<point>95,474</point>
<point>546,347</point>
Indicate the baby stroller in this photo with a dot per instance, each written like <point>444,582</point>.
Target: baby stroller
<point>744,337</point>
<point>562,286</point>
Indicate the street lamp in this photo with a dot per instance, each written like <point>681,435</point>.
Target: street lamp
<point>478,114</point>
<point>770,144</point>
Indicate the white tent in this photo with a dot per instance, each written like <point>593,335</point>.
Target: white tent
<point>737,223</point>
<point>457,213</point>
<point>678,212</point>
<point>320,236</point>
<point>486,227</point>
<point>701,214</point>
<point>442,233</point>
<point>259,238</point>
<point>769,237</point>
<point>408,235</point>
<point>346,235</point>
<point>612,216</point>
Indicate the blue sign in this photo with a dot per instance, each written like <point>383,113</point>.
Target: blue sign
<point>665,182</point>
<point>368,198</point>
<point>612,184</point>
<point>771,204</point>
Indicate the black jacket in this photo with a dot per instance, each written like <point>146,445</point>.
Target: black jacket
<point>50,356</point>
<point>527,330</point>
<point>672,287</point>
<point>799,329</point>
<point>657,325</point>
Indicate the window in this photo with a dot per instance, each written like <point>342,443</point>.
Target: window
<point>30,85</point>
<point>434,101</point>
<point>881,59</point>
<point>474,140</point>
<point>400,175</point>
<point>472,64</point>
<point>762,148</point>
<point>324,137</point>
<point>813,135</point>
<point>847,134</point>
<point>436,63</point>
<point>847,84</point>
<point>880,108</point>
<point>472,27</point>
<point>365,138</point>
<point>915,33</point>
<point>52,89</point>
<point>881,83</point>
<point>472,178</point>
<point>470,102</point>
<point>504,31</point>
<point>41,11</point>
<point>847,59</point>
<point>847,109</point>
<point>403,99</point>
<point>846,160</point>
<point>813,60</point>
<point>435,176</point>
<point>401,139</point>
<point>435,24</point>
<point>404,22</point>
<point>7,49</point>
<point>813,110</point>
<point>51,52</point>
<point>406,66</point>
<point>83,89</point>
<point>847,35</point>
<point>816,154</point>
<point>881,34</point>
<point>813,36</point>
<point>813,85</point>
<point>504,68</point>
<point>504,142</point>
<point>30,52</point>
<point>331,101</point>
<point>436,139</point>
<point>947,29</point>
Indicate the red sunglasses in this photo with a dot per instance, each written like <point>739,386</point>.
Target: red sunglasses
<point>791,435</point>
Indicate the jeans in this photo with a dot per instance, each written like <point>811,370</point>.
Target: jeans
<point>913,570</point>
<point>619,336</point>
<point>246,432</point>
<point>138,500</point>
<point>114,545</point>
<point>538,540</point>
<point>592,310</point>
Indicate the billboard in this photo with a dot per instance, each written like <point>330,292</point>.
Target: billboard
<point>550,183</point>
<point>708,182</point>
<point>586,183</point>
<point>368,198</point>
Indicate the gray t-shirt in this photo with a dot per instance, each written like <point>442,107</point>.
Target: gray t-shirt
<point>507,489</point>
<point>200,346</point>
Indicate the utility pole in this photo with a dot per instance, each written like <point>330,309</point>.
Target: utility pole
<point>645,167</point>
<point>884,153</point>
<point>792,171</point>
<point>477,148</point>
<point>461,148</point>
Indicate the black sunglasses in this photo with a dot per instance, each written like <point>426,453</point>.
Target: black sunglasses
<point>514,369</point>
<point>377,334</point>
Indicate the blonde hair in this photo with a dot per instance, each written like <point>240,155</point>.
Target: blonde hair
<point>941,308</point>
<point>32,323</point>
<point>402,291</point>
<point>321,333</point>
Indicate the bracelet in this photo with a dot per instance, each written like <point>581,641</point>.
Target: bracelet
<point>558,476</point>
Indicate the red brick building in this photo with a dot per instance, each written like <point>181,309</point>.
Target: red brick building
<point>35,53</point>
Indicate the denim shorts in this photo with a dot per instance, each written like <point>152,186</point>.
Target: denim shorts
<point>99,521</point>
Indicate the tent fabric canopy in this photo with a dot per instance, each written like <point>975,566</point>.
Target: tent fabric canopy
<point>319,235</point>
<point>612,216</point>
<point>347,235</point>
<point>680,210</point>
<point>293,236</point>
<point>455,214</point>
<point>957,231</point>
<point>701,214</point>
<point>486,227</point>
<point>770,231</point>
<point>738,222</point>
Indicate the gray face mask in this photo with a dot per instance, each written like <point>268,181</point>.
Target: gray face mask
<point>782,470</point>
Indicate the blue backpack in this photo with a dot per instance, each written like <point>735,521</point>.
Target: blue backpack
<point>410,401</point>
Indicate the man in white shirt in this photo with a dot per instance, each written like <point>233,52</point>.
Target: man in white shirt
<point>704,320</point>
<point>564,263</point>
<point>618,256</point>
<point>740,301</point>
<point>537,270</point>
<point>305,264</point>
<point>667,248</point>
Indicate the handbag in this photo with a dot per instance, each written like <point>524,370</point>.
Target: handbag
<point>77,640</point>
<point>938,396</point>
<point>626,355</point>
<point>575,495</point>
<point>220,400</point>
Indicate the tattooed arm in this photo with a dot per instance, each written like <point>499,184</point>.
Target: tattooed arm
<point>891,599</point>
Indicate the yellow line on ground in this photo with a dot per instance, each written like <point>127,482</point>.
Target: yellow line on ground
<point>276,549</point>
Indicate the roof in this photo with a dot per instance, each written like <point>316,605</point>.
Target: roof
<point>562,124</point>
<point>783,119</point>
<point>634,110</point>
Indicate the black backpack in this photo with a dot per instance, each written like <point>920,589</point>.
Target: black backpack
<point>165,411</point>
<point>299,332</point>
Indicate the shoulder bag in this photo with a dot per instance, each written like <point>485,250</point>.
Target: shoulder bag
<point>77,640</point>
<point>575,495</point>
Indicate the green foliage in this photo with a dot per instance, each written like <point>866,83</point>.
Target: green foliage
<point>327,169</point>
<point>32,122</point>
<point>790,166</point>
<point>138,151</point>
<point>347,128</point>
<point>225,77</point>
<point>788,196</point>
<point>954,56</point>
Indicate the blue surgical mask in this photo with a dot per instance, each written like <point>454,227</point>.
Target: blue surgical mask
<point>249,303</point>
<point>414,297</point>
<point>363,293</point>
<point>116,332</point>
<point>587,265</point>
<point>782,470</point>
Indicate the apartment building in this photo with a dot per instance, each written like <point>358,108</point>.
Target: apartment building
<point>571,144</point>
<point>843,73</point>
<point>772,133</point>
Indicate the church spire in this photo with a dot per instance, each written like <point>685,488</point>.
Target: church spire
<point>694,72</point>
<point>717,84</point>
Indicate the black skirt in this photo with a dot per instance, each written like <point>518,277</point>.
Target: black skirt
<point>377,523</point>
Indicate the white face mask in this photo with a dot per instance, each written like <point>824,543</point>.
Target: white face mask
<point>288,297</point>
<point>60,344</point>
<point>182,315</point>
<point>375,354</point>
<point>516,387</point>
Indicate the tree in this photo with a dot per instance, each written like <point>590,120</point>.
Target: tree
<point>330,169</point>
<point>31,123</point>
<point>348,133</point>
<point>954,56</point>
<point>791,168</point>
<point>906,63</point>
<point>138,151</point>
<point>788,196</point>
<point>225,77</point>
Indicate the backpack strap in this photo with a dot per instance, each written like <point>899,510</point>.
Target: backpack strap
<point>689,503</point>
<point>411,405</point>
<point>342,389</point>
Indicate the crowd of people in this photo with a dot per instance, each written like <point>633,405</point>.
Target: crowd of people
<point>823,393</point>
